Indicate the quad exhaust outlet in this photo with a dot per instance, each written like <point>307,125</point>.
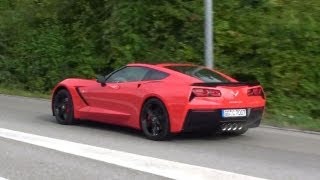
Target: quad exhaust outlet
<point>231,127</point>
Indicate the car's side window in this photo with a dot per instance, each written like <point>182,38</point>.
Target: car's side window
<point>128,74</point>
<point>155,75</point>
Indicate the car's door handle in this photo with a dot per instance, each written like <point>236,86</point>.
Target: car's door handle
<point>114,86</point>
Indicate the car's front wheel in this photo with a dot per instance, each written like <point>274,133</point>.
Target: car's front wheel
<point>154,120</point>
<point>63,107</point>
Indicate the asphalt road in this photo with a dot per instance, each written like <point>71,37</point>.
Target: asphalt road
<point>261,152</point>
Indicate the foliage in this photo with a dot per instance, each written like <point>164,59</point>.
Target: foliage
<point>276,41</point>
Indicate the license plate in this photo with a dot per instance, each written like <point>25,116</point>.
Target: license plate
<point>234,113</point>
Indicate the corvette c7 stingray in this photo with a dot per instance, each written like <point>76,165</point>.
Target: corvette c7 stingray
<point>161,100</point>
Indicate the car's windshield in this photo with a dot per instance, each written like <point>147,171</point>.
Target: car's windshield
<point>201,73</point>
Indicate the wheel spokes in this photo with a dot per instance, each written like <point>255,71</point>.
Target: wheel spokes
<point>154,123</point>
<point>153,119</point>
<point>61,108</point>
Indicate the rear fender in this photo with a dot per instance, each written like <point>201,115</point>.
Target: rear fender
<point>175,104</point>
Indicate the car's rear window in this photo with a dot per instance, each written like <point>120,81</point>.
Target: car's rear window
<point>206,75</point>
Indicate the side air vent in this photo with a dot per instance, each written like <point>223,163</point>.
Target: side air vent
<point>82,98</point>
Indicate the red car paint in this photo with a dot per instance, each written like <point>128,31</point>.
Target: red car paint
<point>121,103</point>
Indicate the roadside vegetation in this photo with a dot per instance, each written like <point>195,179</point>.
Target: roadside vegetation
<point>24,93</point>
<point>274,41</point>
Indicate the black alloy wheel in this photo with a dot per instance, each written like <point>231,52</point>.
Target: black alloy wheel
<point>63,107</point>
<point>155,120</point>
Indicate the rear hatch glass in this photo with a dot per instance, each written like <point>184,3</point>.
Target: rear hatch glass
<point>201,73</point>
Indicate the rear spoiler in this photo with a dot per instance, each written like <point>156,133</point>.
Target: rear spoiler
<point>215,84</point>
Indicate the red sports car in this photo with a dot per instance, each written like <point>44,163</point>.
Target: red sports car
<point>161,100</point>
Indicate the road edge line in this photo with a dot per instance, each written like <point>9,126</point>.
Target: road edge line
<point>160,167</point>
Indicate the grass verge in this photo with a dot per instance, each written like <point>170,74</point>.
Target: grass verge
<point>301,122</point>
<point>17,92</point>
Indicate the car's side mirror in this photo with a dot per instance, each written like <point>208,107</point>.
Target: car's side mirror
<point>102,80</point>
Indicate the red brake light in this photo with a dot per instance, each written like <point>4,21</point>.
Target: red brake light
<point>255,92</point>
<point>200,92</point>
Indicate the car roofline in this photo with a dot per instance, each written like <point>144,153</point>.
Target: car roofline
<point>175,64</point>
<point>161,64</point>
<point>163,67</point>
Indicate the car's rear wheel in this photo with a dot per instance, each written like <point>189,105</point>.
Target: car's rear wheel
<point>63,107</point>
<point>154,120</point>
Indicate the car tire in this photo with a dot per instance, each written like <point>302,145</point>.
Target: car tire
<point>154,120</point>
<point>63,107</point>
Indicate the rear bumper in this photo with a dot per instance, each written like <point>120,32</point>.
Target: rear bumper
<point>211,120</point>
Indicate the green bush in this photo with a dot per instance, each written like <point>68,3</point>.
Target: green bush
<point>274,41</point>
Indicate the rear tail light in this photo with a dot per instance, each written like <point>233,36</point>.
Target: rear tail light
<point>201,92</point>
<point>256,92</point>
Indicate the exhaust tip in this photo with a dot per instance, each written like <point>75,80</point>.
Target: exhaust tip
<point>240,127</point>
<point>234,126</point>
<point>224,127</point>
<point>229,127</point>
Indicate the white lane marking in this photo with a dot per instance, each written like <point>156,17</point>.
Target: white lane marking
<point>165,168</point>
<point>1,178</point>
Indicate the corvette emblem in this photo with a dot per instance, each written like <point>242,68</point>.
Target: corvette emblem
<point>235,93</point>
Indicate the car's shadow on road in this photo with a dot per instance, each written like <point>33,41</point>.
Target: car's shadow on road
<point>204,136</point>
<point>110,127</point>
<point>137,133</point>
<point>86,124</point>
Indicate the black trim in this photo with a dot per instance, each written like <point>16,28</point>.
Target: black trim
<point>200,120</point>
<point>215,84</point>
<point>212,119</point>
<point>79,93</point>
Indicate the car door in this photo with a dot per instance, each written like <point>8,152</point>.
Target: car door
<point>118,100</point>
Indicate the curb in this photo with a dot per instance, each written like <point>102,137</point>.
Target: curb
<point>291,130</point>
